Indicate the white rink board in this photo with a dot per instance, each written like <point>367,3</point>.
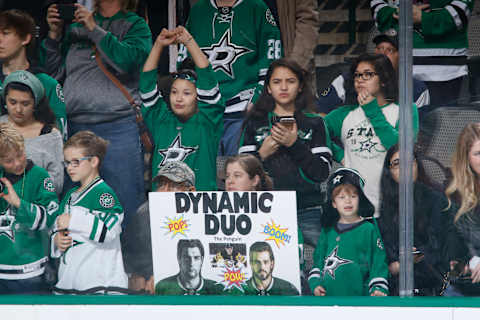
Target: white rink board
<point>128,312</point>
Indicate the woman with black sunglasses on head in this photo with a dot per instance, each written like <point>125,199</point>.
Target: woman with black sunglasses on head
<point>368,129</point>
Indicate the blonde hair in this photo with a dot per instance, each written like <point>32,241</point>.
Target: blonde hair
<point>10,139</point>
<point>465,181</point>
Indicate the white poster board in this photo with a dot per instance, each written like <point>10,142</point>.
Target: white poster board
<point>227,224</point>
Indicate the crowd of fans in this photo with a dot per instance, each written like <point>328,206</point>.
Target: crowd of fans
<point>244,86</point>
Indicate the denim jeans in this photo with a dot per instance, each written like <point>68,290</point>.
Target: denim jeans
<point>232,130</point>
<point>122,168</point>
<point>308,220</point>
<point>35,285</point>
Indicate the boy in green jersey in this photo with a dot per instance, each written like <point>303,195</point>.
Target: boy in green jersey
<point>349,258</point>
<point>27,205</point>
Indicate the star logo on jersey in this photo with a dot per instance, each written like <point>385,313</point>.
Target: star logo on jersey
<point>333,262</point>
<point>367,145</point>
<point>176,151</point>
<point>337,179</point>
<point>48,184</point>
<point>7,221</point>
<point>106,200</point>
<point>223,54</point>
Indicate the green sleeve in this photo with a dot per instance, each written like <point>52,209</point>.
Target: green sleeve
<point>154,108</point>
<point>439,22</point>
<point>315,276</point>
<point>387,134</point>
<point>39,212</point>
<point>378,274</point>
<point>209,97</point>
<point>334,123</point>
<point>130,53</point>
<point>385,19</point>
<point>269,46</point>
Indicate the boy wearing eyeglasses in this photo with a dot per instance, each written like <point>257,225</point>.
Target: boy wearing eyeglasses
<point>28,203</point>
<point>87,235</point>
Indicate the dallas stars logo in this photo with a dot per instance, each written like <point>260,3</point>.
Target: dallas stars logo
<point>176,152</point>
<point>337,179</point>
<point>224,53</point>
<point>333,262</point>
<point>367,145</point>
<point>7,221</point>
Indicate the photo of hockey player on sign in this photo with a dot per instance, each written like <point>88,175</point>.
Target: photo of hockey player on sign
<point>189,280</point>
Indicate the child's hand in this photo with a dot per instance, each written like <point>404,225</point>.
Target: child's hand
<point>319,291</point>
<point>63,221</point>
<point>268,147</point>
<point>12,197</point>
<point>62,240</point>
<point>166,38</point>
<point>378,293</point>
<point>283,135</point>
<point>364,97</point>
<point>183,36</point>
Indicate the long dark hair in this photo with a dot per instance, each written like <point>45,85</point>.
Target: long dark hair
<point>386,73</point>
<point>42,111</point>
<point>303,102</point>
<point>389,194</point>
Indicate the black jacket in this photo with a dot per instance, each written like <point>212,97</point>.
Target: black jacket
<point>300,167</point>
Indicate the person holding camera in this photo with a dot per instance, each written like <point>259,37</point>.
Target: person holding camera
<point>114,36</point>
<point>292,143</point>
<point>27,205</point>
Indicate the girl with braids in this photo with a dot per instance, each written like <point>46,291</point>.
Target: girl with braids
<point>292,142</point>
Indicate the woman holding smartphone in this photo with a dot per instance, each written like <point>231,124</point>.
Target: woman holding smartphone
<point>292,143</point>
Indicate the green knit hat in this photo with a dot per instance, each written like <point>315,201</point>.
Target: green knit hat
<point>28,79</point>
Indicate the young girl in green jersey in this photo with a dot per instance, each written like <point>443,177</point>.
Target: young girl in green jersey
<point>349,259</point>
<point>89,223</point>
<point>27,205</point>
<point>187,125</point>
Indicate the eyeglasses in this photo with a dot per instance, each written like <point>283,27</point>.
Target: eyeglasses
<point>367,75</point>
<point>75,162</point>
<point>395,164</point>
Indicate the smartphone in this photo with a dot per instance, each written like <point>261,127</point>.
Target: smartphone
<point>287,122</point>
<point>66,11</point>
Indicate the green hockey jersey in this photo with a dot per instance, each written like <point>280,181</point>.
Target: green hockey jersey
<point>173,286</point>
<point>240,43</point>
<point>95,258</point>
<point>194,141</point>
<point>22,239</point>
<point>351,262</point>
<point>278,287</point>
<point>440,41</point>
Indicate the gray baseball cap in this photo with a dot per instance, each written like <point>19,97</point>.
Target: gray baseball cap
<point>176,171</point>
